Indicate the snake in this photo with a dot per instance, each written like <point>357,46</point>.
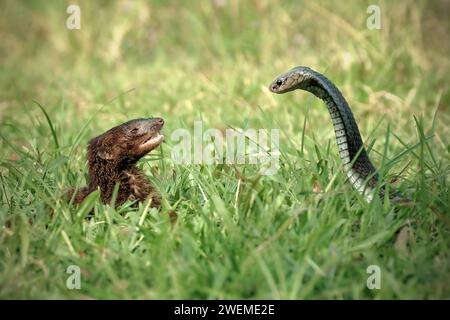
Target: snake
<point>360,171</point>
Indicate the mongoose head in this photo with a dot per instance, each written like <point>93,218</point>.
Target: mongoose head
<point>296,78</point>
<point>127,142</point>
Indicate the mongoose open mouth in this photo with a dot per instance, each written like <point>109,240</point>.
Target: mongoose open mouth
<point>152,142</point>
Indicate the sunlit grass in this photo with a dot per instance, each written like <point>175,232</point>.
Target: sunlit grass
<point>300,234</point>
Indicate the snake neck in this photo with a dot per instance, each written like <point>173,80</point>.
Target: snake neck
<point>359,169</point>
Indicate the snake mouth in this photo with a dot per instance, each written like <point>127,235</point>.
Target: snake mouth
<point>281,84</point>
<point>273,88</point>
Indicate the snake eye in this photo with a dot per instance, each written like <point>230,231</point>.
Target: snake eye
<point>279,82</point>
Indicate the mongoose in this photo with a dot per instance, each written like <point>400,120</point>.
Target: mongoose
<point>112,158</point>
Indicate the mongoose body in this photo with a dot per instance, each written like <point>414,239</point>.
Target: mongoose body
<point>112,158</point>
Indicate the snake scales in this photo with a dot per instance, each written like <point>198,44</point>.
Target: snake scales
<point>359,169</point>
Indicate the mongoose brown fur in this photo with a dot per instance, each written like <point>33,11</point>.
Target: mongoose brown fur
<point>112,158</point>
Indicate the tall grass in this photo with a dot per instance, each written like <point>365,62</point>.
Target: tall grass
<point>300,234</point>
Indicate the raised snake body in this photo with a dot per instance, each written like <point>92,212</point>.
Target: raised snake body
<point>359,169</point>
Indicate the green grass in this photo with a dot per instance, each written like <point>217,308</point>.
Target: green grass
<point>300,234</point>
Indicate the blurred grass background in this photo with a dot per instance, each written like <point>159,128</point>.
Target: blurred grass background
<point>213,60</point>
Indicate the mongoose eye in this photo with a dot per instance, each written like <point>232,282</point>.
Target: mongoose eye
<point>134,130</point>
<point>279,82</point>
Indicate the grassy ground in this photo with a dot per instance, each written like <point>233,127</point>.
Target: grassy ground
<point>300,234</point>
